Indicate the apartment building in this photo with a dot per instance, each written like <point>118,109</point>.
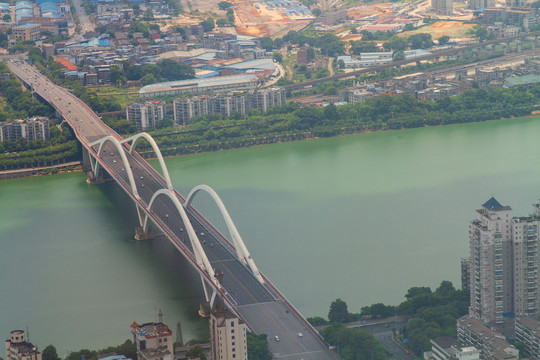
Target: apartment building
<point>491,265</point>
<point>481,4</point>
<point>526,258</point>
<point>503,266</point>
<point>17,348</point>
<point>528,332</point>
<point>185,109</point>
<point>227,336</point>
<point>266,98</point>
<point>146,116</point>
<point>443,7</point>
<point>27,32</point>
<point>492,345</point>
<point>229,104</point>
<point>36,128</point>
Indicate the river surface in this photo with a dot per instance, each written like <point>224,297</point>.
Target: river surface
<point>361,218</point>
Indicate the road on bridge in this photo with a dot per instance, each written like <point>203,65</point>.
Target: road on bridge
<point>264,309</point>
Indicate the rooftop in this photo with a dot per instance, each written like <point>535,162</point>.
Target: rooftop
<point>492,204</point>
<point>216,80</point>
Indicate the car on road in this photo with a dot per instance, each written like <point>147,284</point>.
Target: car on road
<point>276,338</point>
<point>211,244</point>
<point>300,335</point>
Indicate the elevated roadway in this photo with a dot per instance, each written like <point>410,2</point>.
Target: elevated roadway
<point>226,267</point>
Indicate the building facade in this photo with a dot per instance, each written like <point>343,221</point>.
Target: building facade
<point>146,116</point>
<point>17,348</point>
<point>491,344</point>
<point>443,7</point>
<point>229,104</point>
<point>36,128</point>
<point>27,32</point>
<point>528,332</point>
<point>503,266</point>
<point>227,336</point>
<point>491,267</point>
<point>154,341</point>
<point>481,4</point>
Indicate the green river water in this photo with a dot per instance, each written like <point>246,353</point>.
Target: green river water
<point>362,218</point>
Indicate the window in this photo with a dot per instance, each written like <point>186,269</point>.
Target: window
<point>233,343</point>
<point>232,323</point>
<point>232,337</point>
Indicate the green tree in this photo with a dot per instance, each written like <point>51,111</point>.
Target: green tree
<point>116,75</point>
<point>6,18</point>
<point>278,57</point>
<point>446,288</point>
<point>208,24</point>
<point>316,12</point>
<point>171,70</point>
<point>266,43</point>
<point>443,39</point>
<point>49,353</point>
<point>416,291</point>
<point>396,43</point>
<point>196,351</point>
<point>398,55</point>
<point>353,344</point>
<point>257,347</point>
<point>338,311</point>
<point>221,22</point>
<point>148,79</point>
<point>224,5</point>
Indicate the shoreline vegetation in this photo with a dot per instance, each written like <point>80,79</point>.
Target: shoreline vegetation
<point>285,123</point>
<point>75,166</point>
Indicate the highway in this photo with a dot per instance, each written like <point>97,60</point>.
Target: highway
<point>264,309</point>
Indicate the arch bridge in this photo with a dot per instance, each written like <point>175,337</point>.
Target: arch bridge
<point>226,268</point>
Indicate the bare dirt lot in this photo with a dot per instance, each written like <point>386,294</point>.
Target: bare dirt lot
<point>454,29</point>
<point>256,19</point>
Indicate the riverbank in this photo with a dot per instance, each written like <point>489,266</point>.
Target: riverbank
<point>73,166</point>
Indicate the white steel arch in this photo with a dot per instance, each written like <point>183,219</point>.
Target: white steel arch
<point>135,138</point>
<point>125,161</point>
<point>239,245</point>
<point>200,255</point>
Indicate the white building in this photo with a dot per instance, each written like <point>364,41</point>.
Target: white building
<point>227,336</point>
<point>146,116</point>
<point>200,86</point>
<point>467,353</point>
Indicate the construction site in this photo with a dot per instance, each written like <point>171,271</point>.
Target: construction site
<point>270,18</point>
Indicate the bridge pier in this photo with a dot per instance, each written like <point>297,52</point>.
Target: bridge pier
<point>141,234</point>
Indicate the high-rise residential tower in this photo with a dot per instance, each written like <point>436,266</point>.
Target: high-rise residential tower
<point>503,265</point>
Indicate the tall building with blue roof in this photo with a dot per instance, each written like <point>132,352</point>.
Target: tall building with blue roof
<point>503,264</point>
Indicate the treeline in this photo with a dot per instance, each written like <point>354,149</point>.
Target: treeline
<point>353,344</point>
<point>290,122</point>
<point>431,314</point>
